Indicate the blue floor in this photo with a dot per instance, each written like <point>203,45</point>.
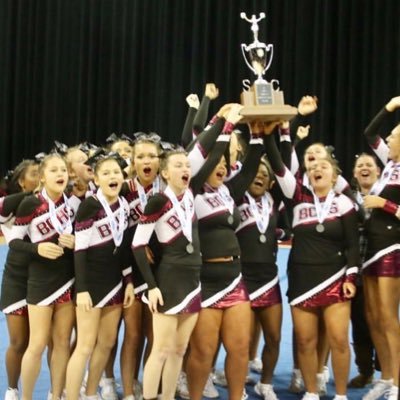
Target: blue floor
<point>282,372</point>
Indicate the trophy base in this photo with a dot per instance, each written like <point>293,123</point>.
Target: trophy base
<point>271,112</point>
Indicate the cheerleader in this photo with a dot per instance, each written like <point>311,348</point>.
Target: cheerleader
<point>381,268</point>
<point>46,218</point>
<point>23,180</point>
<point>174,286</point>
<point>100,264</point>
<point>137,318</point>
<point>224,296</point>
<point>257,234</point>
<point>323,264</point>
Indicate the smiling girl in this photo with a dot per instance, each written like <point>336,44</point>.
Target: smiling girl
<point>46,218</point>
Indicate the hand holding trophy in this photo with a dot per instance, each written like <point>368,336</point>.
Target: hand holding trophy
<point>263,100</point>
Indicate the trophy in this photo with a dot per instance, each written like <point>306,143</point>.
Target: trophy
<point>263,100</point>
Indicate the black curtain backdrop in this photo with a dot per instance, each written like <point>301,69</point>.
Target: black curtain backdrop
<point>76,70</point>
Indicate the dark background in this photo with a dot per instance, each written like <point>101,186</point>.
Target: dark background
<point>77,70</point>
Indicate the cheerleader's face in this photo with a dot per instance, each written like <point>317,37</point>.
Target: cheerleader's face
<point>261,182</point>
<point>123,148</point>
<point>217,176</point>
<point>109,179</point>
<point>79,172</point>
<point>322,176</point>
<point>146,162</point>
<point>393,142</point>
<point>54,177</point>
<point>30,181</point>
<point>366,172</point>
<point>314,152</point>
<point>177,173</point>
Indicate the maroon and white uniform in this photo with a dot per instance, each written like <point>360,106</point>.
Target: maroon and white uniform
<point>100,265</point>
<point>49,281</point>
<point>259,249</point>
<point>321,258</point>
<point>177,275</point>
<point>382,229</point>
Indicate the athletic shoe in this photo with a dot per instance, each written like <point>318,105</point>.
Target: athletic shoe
<point>182,389</point>
<point>321,384</point>
<point>210,390</point>
<point>360,381</point>
<point>310,396</point>
<point>256,365</point>
<point>11,394</point>
<point>381,386</point>
<point>130,397</point>
<point>94,397</point>
<point>265,390</point>
<point>296,382</point>
<point>393,393</point>
<point>108,389</point>
<point>244,395</point>
<point>340,397</point>
<point>219,378</point>
<point>327,374</point>
<point>138,390</point>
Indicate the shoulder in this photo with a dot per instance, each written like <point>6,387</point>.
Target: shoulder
<point>28,205</point>
<point>156,204</point>
<point>88,209</point>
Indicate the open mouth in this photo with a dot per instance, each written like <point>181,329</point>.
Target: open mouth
<point>258,183</point>
<point>185,178</point>
<point>317,177</point>
<point>60,181</point>
<point>147,170</point>
<point>365,174</point>
<point>113,185</point>
<point>220,175</point>
<point>311,158</point>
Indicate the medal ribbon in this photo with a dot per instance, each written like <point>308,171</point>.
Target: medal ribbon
<point>117,225</point>
<point>262,218</point>
<point>185,214</point>
<point>58,226</point>
<point>323,210</point>
<point>226,198</point>
<point>383,179</point>
<point>142,192</point>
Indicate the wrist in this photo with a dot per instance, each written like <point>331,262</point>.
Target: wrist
<point>228,127</point>
<point>390,207</point>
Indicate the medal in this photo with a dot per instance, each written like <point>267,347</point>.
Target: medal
<point>262,216</point>
<point>230,220</point>
<point>189,248</point>
<point>320,228</point>
<point>262,238</point>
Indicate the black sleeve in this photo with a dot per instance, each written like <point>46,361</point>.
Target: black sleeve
<point>12,202</point>
<point>200,119</point>
<point>151,214</point>
<point>87,211</point>
<point>273,155</point>
<point>371,131</point>
<point>241,182</point>
<point>206,139</point>
<point>351,239</point>
<point>187,132</point>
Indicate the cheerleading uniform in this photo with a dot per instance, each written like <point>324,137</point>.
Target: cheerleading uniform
<point>323,255</point>
<point>222,282</point>
<point>100,266</point>
<point>49,281</point>
<point>15,273</point>
<point>177,275</point>
<point>259,249</point>
<point>382,229</point>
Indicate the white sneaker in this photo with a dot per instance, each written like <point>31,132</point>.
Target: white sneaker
<point>182,389</point>
<point>94,397</point>
<point>138,390</point>
<point>393,393</point>
<point>210,390</point>
<point>130,397</point>
<point>256,365</point>
<point>296,382</point>
<point>108,389</point>
<point>310,396</point>
<point>244,395</point>
<point>327,374</point>
<point>265,390</point>
<point>11,394</point>
<point>381,386</point>
<point>321,384</point>
<point>219,378</point>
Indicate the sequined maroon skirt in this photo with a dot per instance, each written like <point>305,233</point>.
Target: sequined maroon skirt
<point>386,266</point>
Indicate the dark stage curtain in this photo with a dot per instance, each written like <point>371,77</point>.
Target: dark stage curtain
<point>77,70</point>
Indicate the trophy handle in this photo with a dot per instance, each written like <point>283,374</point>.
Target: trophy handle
<point>270,48</point>
<point>244,48</point>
